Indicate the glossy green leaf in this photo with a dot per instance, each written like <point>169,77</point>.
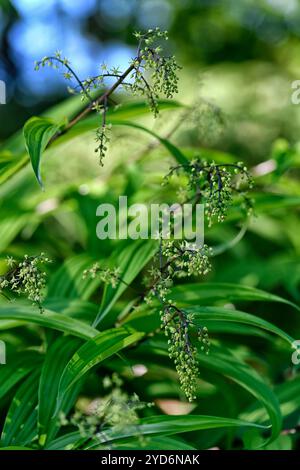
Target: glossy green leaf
<point>203,294</point>
<point>37,134</point>
<point>172,149</point>
<point>170,425</point>
<point>47,319</point>
<point>288,395</point>
<point>203,315</point>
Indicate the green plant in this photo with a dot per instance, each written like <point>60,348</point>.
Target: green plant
<point>154,308</point>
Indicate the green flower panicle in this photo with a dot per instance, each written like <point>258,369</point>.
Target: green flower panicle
<point>26,277</point>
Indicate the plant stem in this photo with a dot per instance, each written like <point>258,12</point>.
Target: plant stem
<point>98,101</point>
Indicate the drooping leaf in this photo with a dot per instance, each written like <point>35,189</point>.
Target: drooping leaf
<point>37,134</point>
<point>78,309</point>
<point>288,395</point>
<point>48,319</point>
<point>203,294</point>
<point>116,116</point>
<point>203,316</point>
<point>221,362</point>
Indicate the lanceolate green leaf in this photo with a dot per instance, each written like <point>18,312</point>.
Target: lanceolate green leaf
<point>202,294</point>
<point>78,309</point>
<point>152,443</point>
<point>116,116</point>
<point>47,319</point>
<point>220,361</point>
<point>15,448</point>
<point>203,315</point>
<point>169,425</point>
<point>37,134</point>
<point>217,319</point>
<point>174,151</point>
<point>92,353</point>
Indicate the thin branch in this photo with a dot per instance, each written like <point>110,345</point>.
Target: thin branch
<point>65,64</point>
<point>98,101</point>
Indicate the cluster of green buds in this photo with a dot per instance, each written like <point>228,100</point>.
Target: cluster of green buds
<point>26,277</point>
<point>186,259</point>
<point>102,139</point>
<point>150,61</point>
<point>182,260</point>
<point>150,73</point>
<point>107,275</point>
<point>158,283</point>
<point>176,324</point>
<point>216,185</point>
<point>115,411</point>
<point>204,339</point>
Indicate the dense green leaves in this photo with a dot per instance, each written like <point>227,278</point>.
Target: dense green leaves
<point>131,261</point>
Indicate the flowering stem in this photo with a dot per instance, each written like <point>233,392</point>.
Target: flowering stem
<point>98,101</point>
